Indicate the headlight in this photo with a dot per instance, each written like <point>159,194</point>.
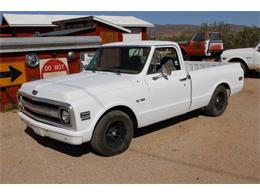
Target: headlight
<point>65,116</point>
<point>32,60</point>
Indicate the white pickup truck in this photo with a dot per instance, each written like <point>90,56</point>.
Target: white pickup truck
<point>249,58</point>
<point>126,86</point>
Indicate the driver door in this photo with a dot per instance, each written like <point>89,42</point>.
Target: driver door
<point>167,96</point>
<point>257,56</point>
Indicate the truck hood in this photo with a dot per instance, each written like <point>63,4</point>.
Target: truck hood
<point>75,86</point>
<point>239,50</point>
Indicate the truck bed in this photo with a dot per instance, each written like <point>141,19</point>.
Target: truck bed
<point>205,76</point>
<point>197,65</point>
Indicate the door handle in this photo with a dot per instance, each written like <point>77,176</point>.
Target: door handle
<point>183,79</point>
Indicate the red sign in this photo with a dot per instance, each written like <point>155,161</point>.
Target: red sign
<point>53,67</point>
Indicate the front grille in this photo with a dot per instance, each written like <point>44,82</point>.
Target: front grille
<point>38,103</point>
<point>44,110</point>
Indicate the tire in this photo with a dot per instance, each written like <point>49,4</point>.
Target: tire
<point>218,102</point>
<point>112,134</point>
<point>243,66</point>
<point>245,69</point>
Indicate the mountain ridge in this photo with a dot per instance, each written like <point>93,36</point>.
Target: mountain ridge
<point>177,29</point>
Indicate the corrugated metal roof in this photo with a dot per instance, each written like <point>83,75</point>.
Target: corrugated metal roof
<point>22,44</point>
<point>111,24</point>
<point>47,48</point>
<point>96,19</point>
<point>15,20</point>
<point>127,21</point>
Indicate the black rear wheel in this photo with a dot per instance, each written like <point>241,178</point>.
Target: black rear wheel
<point>218,102</point>
<point>112,134</point>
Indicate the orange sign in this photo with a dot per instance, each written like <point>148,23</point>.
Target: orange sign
<point>12,73</point>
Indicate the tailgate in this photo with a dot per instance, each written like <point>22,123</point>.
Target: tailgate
<point>215,45</point>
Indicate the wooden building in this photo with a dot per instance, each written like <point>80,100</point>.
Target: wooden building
<point>109,28</point>
<point>51,37</point>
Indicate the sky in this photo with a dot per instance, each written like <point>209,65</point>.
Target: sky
<point>248,18</point>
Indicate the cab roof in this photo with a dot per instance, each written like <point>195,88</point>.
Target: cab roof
<point>141,43</point>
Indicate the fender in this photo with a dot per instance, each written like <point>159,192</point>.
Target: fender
<point>239,58</point>
<point>221,82</point>
<point>109,107</point>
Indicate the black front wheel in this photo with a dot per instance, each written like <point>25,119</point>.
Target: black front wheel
<point>218,102</point>
<point>112,134</point>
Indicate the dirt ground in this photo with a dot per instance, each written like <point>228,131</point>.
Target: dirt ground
<point>188,149</point>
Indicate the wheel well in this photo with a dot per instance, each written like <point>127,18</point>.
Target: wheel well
<point>226,86</point>
<point>238,60</point>
<point>126,110</point>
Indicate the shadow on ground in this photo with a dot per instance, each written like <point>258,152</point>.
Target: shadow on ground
<point>253,74</point>
<point>77,151</point>
<point>166,123</point>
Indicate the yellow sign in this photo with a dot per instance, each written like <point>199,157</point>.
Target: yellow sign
<point>12,73</point>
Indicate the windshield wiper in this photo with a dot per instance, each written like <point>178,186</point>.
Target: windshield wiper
<point>92,69</point>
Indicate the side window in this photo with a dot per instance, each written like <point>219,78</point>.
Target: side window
<point>85,58</point>
<point>214,36</point>
<point>162,56</point>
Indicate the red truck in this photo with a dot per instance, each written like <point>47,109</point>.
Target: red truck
<point>203,45</point>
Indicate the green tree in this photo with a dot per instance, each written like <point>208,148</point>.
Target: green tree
<point>247,37</point>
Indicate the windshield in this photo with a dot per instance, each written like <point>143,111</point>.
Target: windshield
<point>130,60</point>
<point>199,37</point>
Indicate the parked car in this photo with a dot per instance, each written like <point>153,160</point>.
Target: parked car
<point>203,44</point>
<point>249,58</point>
<point>126,86</point>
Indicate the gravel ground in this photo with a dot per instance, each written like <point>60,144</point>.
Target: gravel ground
<point>188,149</point>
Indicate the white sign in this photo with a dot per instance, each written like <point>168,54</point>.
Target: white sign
<point>53,67</point>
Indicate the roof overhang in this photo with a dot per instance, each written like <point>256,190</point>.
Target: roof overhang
<point>95,19</point>
<point>36,20</point>
<point>25,44</point>
<point>111,24</point>
<point>33,25</point>
<point>65,32</point>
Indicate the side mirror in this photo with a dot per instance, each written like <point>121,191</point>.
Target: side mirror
<point>166,71</point>
<point>258,49</point>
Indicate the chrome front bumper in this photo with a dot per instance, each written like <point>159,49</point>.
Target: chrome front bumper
<point>57,133</point>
